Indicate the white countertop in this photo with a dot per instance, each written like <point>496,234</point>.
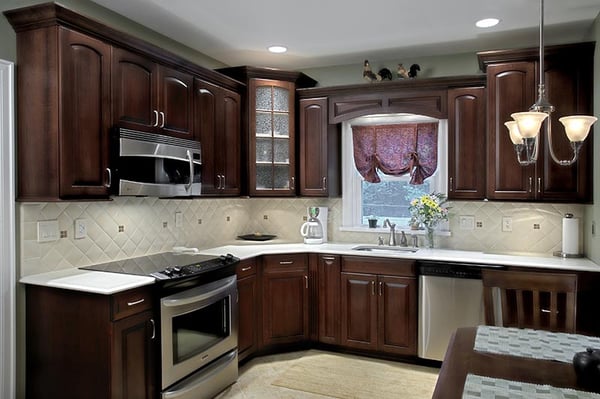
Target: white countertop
<point>110,283</point>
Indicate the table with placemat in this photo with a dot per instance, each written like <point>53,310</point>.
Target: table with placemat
<point>489,362</point>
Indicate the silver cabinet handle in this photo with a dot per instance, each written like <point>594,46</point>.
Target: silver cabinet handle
<point>109,178</point>
<point>292,183</point>
<point>373,288</point>
<point>451,184</point>
<point>539,190</point>
<point>380,288</point>
<point>286,262</point>
<point>245,269</point>
<point>306,279</point>
<point>155,124</point>
<point>223,186</point>
<point>162,123</point>
<point>329,258</point>
<point>530,184</point>
<point>135,302</point>
<point>153,329</point>
<point>324,183</point>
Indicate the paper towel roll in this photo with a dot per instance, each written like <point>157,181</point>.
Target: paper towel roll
<point>570,236</point>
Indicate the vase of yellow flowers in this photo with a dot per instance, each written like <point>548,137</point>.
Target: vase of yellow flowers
<point>428,210</point>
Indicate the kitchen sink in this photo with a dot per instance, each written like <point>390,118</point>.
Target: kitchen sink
<point>383,248</point>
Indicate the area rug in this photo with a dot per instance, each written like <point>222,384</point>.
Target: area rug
<point>353,377</point>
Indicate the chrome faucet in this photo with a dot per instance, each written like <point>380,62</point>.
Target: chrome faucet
<point>392,227</point>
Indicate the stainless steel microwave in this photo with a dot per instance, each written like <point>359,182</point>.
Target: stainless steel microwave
<point>155,165</point>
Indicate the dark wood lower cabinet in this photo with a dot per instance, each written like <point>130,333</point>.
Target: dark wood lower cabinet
<point>285,304</point>
<point>379,305</point>
<point>248,308</point>
<point>82,345</point>
<point>329,298</point>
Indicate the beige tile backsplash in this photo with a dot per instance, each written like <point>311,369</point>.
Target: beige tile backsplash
<point>148,226</point>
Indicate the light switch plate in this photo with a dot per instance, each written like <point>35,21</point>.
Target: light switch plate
<point>47,230</point>
<point>506,224</point>
<point>80,228</point>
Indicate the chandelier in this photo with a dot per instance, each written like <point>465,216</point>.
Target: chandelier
<point>525,126</point>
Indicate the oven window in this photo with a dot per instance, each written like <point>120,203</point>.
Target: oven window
<point>196,331</point>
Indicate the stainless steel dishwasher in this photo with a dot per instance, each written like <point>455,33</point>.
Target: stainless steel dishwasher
<point>450,296</point>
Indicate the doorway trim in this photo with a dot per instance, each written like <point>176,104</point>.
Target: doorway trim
<point>8,232</point>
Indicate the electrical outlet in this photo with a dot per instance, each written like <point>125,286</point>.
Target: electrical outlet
<point>80,228</point>
<point>47,230</point>
<point>178,219</point>
<point>506,223</point>
<point>466,222</point>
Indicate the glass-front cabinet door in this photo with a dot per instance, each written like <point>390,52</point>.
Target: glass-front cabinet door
<point>272,137</point>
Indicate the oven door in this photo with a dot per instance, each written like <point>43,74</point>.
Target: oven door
<point>198,325</point>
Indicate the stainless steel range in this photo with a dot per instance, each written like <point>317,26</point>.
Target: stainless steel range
<point>196,297</point>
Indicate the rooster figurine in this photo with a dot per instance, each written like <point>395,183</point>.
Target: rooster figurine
<point>402,72</point>
<point>385,74</point>
<point>412,72</point>
<point>368,75</point>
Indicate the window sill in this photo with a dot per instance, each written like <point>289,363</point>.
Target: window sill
<point>407,230</point>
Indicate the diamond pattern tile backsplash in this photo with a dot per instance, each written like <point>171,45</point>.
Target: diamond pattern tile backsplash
<point>134,226</point>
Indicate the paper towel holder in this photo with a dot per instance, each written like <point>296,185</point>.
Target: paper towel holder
<point>562,254</point>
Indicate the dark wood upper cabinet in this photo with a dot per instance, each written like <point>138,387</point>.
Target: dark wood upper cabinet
<point>150,97</point>
<point>269,128</point>
<point>78,78</point>
<point>63,115</point>
<point>466,143</point>
<point>512,78</point>
<point>217,125</point>
<point>314,149</point>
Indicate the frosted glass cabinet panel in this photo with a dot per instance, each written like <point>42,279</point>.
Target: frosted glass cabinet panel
<point>271,137</point>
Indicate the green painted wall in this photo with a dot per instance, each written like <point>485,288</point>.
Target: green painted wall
<point>8,50</point>
<point>431,67</point>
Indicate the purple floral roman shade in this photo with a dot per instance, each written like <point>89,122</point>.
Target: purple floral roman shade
<point>396,150</point>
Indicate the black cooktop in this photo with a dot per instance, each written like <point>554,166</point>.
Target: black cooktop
<point>167,265</point>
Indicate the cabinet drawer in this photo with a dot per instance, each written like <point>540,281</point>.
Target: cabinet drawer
<point>373,265</point>
<point>246,268</point>
<point>284,263</point>
<point>130,302</point>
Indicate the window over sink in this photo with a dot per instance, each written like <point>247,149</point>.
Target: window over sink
<point>391,197</point>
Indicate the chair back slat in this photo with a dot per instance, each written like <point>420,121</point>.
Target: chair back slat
<point>531,299</point>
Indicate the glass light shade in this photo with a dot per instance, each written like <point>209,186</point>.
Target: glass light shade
<point>577,127</point>
<point>513,130</point>
<point>529,123</point>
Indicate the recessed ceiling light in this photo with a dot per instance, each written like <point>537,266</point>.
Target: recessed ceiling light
<point>277,49</point>
<point>487,22</point>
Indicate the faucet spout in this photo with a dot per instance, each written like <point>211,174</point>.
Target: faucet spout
<point>392,226</point>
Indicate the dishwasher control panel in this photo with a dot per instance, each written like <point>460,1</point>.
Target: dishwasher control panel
<point>451,269</point>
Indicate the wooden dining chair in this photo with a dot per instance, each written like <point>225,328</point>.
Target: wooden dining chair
<point>544,301</point>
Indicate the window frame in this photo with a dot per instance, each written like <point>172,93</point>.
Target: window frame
<point>351,179</point>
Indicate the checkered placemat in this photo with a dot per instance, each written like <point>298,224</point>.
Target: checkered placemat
<point>535,344</point>
<point>479,387</point>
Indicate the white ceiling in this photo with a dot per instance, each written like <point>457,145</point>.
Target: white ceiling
<point>337,32</point>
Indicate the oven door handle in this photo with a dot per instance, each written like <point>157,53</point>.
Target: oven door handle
<point>214,290</point>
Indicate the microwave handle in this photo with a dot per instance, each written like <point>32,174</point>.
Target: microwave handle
<point>191,161</point>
